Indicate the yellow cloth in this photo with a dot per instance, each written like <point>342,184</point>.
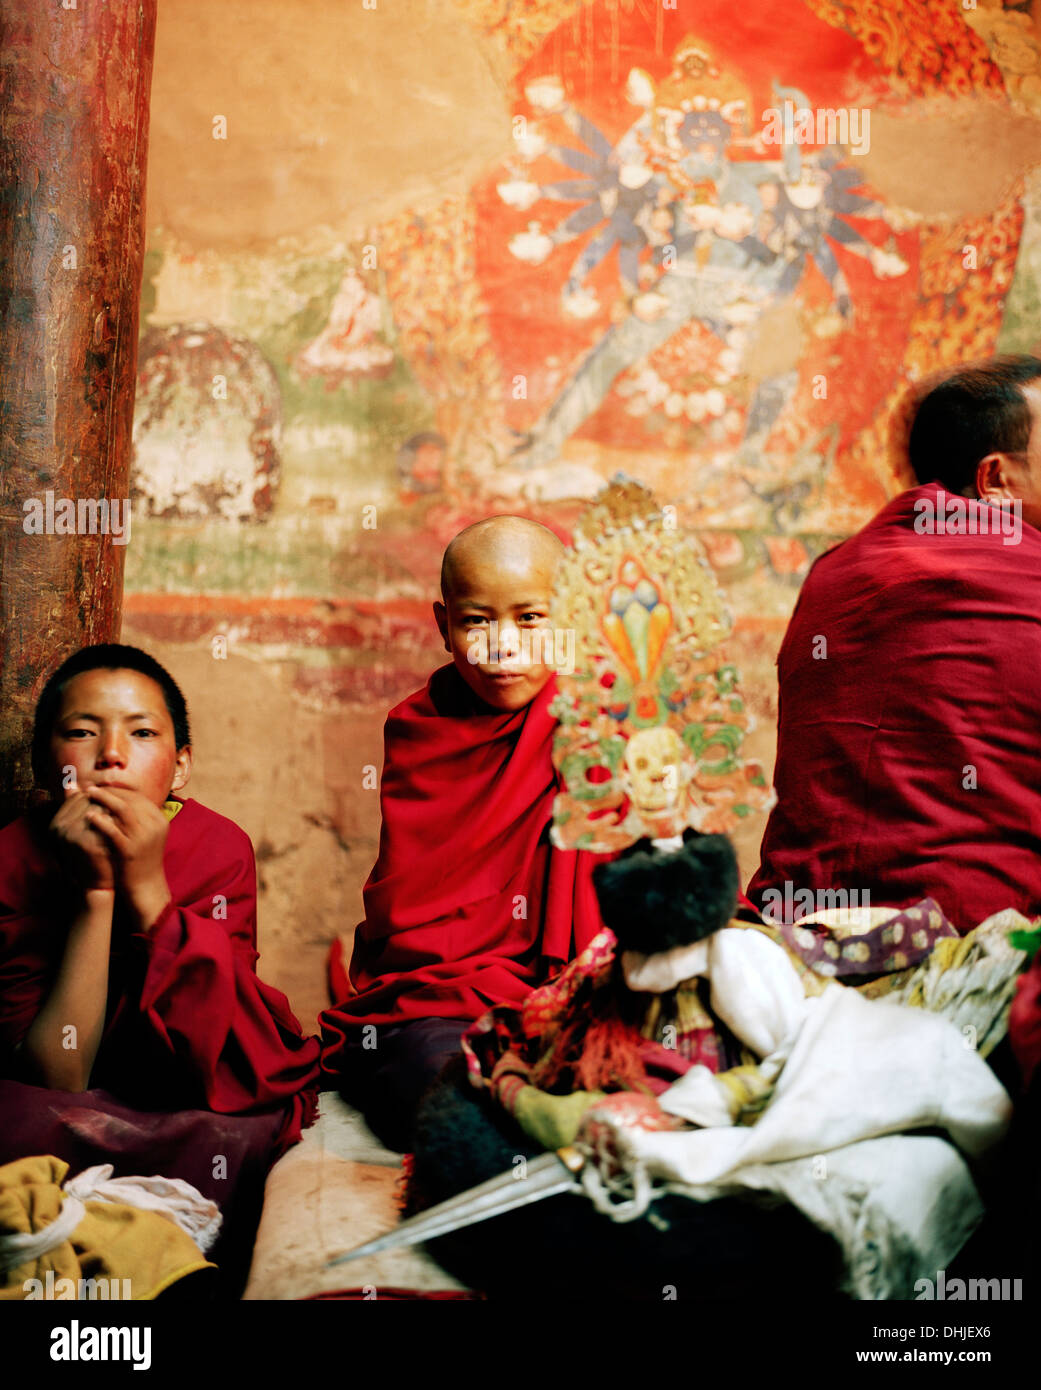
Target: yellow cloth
<point>552,1121</point>
<point>971,980</point>
<point>113,1242</point>
<point>747,1092</point>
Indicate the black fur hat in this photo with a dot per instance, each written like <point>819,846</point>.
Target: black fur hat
<point>654,899</point>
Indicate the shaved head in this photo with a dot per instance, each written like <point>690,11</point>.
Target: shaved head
<point>504,542</point>
<point>497,591</point>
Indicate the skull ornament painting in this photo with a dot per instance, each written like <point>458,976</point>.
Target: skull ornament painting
<point>651,718</point>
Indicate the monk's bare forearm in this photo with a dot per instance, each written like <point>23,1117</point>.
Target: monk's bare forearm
<point>63,1040</point>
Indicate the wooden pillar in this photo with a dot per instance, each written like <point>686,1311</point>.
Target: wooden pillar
<point>74,87</point>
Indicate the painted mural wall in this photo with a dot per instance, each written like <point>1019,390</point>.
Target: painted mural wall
<point>411,264</point>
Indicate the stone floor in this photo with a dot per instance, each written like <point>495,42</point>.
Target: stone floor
<point>336,1189</point>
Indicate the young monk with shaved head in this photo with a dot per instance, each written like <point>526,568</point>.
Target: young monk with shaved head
<point>468,905</point>
<point>499,571</point>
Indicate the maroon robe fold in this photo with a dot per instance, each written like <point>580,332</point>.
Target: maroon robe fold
<point>189,1025</point>
<point>909,749</point>
<point>1024,1023</point>
<point>468,904</point>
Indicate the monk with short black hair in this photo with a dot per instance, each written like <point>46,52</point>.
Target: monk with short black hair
<point>133,1027</point>
<point>971,432</point>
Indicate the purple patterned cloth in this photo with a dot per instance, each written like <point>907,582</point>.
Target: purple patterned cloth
<point>899,942</point>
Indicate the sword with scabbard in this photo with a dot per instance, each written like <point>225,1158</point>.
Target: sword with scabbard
<point>588,1166</point>
<point>547,1176</point>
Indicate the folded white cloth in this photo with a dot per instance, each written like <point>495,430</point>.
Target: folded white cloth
<point>900,1207</point>
<point>173,1198</point>
<point>856,1069</point>
<point>756,990</point>
<point>21,1247</point>
<point>853,1075</point>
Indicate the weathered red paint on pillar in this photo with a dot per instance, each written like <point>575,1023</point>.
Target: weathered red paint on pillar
<point>74,85</point>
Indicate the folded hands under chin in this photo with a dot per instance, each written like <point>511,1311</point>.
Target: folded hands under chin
<point>113,839</point>
<point>82,851</point>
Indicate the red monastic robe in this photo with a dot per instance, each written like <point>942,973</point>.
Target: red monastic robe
<point>189,1024</point>
<point>909,746</point>
<point>468,904</point>
<point>1024,1022</point>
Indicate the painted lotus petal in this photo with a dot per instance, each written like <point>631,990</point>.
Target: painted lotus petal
<point>621,597</point>
<point>647,594</point>
<point>659,626</point>
<point>620,644</point>
<point>636,621</point>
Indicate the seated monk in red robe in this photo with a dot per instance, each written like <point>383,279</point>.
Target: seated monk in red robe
<point>468,905</point>
<point>127,953</point>
<point>909,732</point>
